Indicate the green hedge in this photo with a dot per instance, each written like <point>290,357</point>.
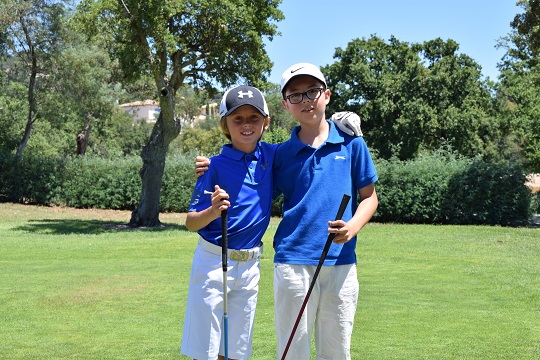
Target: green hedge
<point>442,189</point>
<point>178,182</point>
<point>115,184</point>
<point>94,182</point>
<point>437,188</point>
<point>413,191</point>
<point>491,194</point>
<point>31,180</point>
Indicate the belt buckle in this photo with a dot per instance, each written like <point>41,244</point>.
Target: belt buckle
<point>239,255</point>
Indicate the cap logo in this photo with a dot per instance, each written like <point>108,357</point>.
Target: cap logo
<point>295,70</point>
<point>249,94</point>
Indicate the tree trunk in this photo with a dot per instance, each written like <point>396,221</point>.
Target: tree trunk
<point>26,136</point>
<point>153,156</point>
<point>84,136</point>
<point>31,108</point>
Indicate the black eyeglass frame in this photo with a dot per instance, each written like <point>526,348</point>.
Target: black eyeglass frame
<point>305,93</point>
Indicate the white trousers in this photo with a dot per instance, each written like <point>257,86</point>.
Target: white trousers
<point>203,322</point>
<point>329,312</point>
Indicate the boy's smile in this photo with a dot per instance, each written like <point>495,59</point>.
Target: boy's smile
<point>246,126</point>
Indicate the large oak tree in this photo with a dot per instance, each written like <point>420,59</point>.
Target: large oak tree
<point>201,42</point>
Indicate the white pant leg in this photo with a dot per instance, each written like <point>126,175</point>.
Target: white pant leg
<point>203,321</point>
<point>335,316</point>
<point>291,284</point>
<point>201,336</point>
<point>242,303</point>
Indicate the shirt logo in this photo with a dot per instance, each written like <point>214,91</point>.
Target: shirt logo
<point>339,157</point>
<point>249,94</point>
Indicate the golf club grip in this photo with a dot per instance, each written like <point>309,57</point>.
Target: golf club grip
<point>339,215</point>
<point>224,239</point>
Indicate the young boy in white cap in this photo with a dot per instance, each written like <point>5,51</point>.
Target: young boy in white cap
<point>240,181</point>
<point>313,170</point>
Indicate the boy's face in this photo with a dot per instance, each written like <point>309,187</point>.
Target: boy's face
<point>245,126</point>
<point>308,110</point>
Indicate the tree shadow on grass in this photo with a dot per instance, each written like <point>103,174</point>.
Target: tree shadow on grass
<point>70,226</point>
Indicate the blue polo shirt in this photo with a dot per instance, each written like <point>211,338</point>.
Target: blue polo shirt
<point>247,178</point>
<point>313,182</point>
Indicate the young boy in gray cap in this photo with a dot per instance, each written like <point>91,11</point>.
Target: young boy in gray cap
<point>240,181</point>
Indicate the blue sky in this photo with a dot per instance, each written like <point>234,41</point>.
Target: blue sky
<point>474,24</point>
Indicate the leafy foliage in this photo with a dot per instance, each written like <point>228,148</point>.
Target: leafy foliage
<point>207,142</point>
<point>444,188</point>
<point>95,182</point>
<point>29,180</point>
<point>31,36</point>
<point>413,191</point>
<point>518,92</point>
<point>413,96</point>
<point>178,182</point>
<point>527,24</point>
<point>487,193</point>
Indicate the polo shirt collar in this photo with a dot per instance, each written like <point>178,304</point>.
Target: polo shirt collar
<point>334,137</point>
<point>232,153</point>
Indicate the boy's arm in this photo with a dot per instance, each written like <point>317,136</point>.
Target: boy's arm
<point>345,231</point>
<point>196,220</point>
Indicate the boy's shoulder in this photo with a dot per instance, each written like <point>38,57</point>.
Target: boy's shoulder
<point>267,146</point>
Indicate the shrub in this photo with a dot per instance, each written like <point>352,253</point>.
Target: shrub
<point>442,188</point>
<point>434,188</point>
<point>94,182</point>
<point>178,182</point>
<point>29,180</point>
<point>412,191</point>
<point>488,193</point>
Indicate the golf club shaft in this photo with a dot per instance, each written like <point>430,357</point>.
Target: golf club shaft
<point>341,210</point>
<point>224,247</point>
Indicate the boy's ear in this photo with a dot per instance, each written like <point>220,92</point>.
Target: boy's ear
<point>266,123</point>
<point>284,103</point>
<point>327,96</point>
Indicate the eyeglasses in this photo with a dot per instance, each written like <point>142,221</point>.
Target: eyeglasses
<point>311,94</point>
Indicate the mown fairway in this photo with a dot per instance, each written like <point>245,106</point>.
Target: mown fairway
<point>76,284</point>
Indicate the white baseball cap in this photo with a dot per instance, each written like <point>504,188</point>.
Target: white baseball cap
<point>240,96</point>
<point>301,69</point>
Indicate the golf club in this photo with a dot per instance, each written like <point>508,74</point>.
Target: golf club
<point>331,237</point>
<point>224,247</point>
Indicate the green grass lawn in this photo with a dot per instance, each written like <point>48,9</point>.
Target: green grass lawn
<point>76,284</point>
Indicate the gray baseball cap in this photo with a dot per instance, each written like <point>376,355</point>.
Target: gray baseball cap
<point>240,96</point>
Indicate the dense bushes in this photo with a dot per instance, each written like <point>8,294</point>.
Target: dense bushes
<point>440,188</point>
<point>94,182</point>
<point>413,191</point>
<point>178,182</point>
<point>31,180</point>
<point>489,194</point>
<point>437,188</point>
